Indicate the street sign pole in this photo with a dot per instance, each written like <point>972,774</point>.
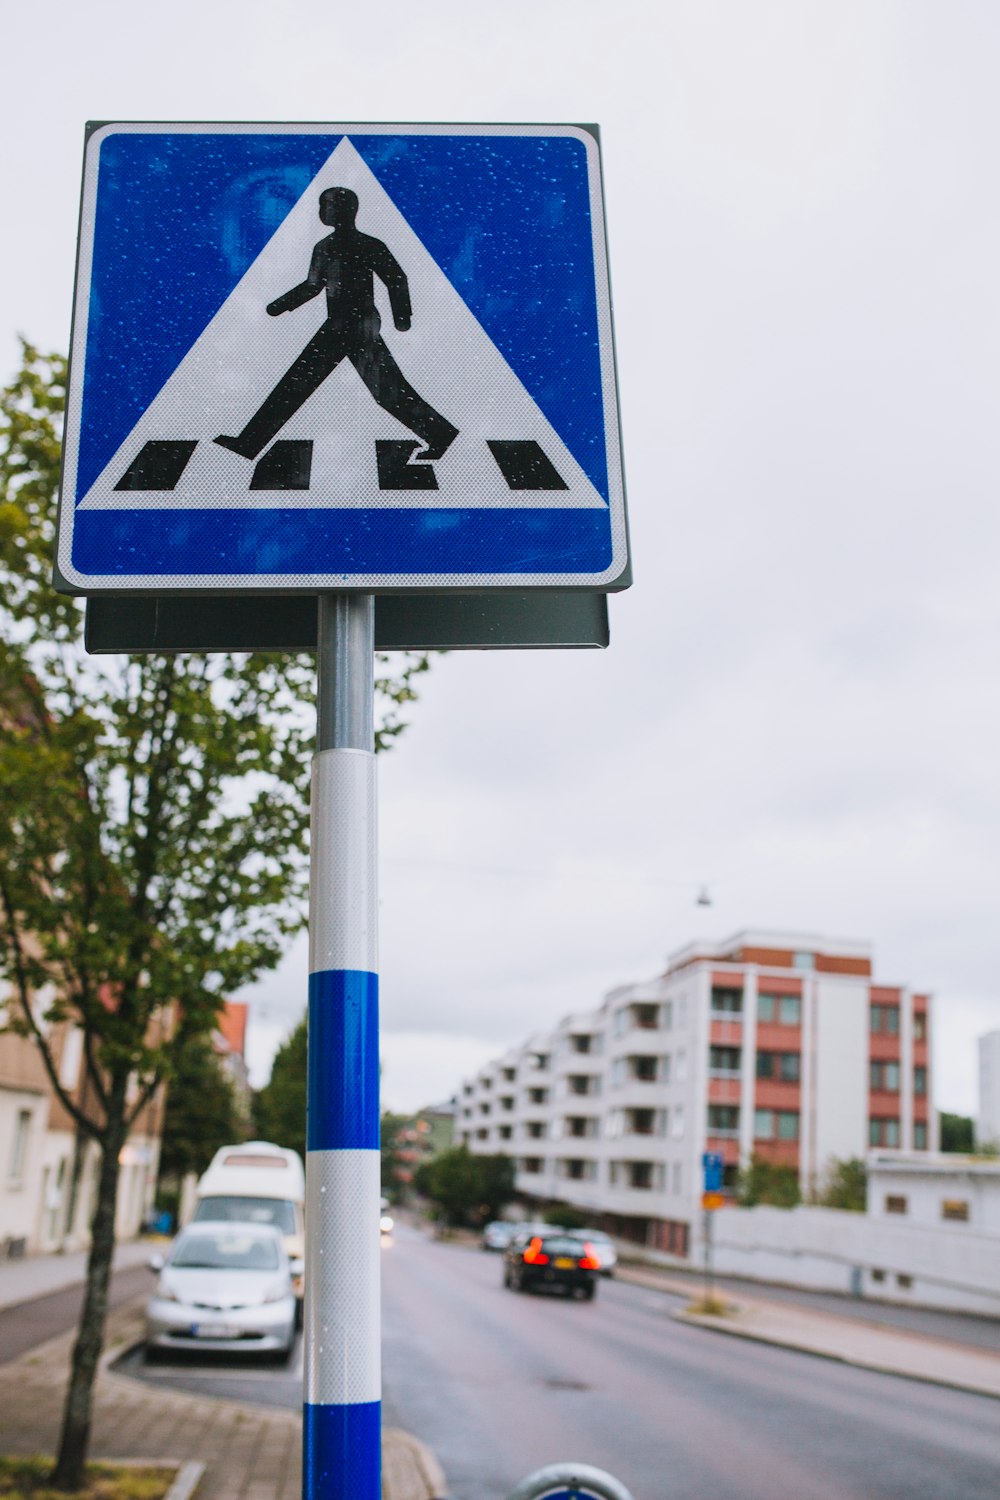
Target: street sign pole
<point>342,1414</point>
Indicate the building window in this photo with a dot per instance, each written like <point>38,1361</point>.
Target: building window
<point>482,1135</point>
<point>533,1164</point>
<point>538,1096</point>
<point>885,1020</point>
<point>919,1136</point>
<point>919,1026</point>
<point>895,1203</point>
<point>535,1129</point>
<point>920,1081</point>
<point>727,1002</point>
<point>506,1131</point>
<point>723,1119</point>
<point>903,1281</point>
<point>641,1121</point>
<point>19,1151</point>
<point>783,1066</point>
<point>580,1043</point>
<point>645,1017</point>
<point>724,1059</point>
<point>786,1010</point>
<point>644,1069</point>
<point>955,1209</point>
<point>884,1077</point>
<point>763,1125</point>
<point>883,1132</point>
<point>641,1175</point>
<point>788,1125</point>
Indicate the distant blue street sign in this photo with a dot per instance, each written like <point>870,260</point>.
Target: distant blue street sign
<point>711,1162</point>
<point>318,357</point>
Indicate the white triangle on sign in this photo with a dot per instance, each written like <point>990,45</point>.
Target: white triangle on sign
<point>242,353</point>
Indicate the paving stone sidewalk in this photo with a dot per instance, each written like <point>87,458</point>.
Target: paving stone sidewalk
<point>249,1452</point>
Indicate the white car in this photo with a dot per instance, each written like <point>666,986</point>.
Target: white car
<point>602,1246</point>
<point>224,1286</point>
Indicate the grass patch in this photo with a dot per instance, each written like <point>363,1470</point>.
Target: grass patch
<point>29,1479</point>
<point>710,1307</point>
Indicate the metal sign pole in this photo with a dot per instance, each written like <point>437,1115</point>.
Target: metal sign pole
<point>342,1413</point>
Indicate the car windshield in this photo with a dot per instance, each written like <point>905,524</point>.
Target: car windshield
<point>239,1210</point>
<point>225,1252</point>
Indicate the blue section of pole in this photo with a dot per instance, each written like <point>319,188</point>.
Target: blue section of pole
<point>337,1446</point>
<point>342,1112</point>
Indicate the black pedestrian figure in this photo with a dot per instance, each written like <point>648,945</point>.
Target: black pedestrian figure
<point>345,264</point>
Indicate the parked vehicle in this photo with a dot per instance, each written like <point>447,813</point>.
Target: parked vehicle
<point>258,1183</point>
<point>224,1286</point>
<point>498,1235</point>
<point>553,1260</point>
<point>602,1246</point>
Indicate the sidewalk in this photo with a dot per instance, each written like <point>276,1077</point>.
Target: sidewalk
<point>38,1275</point>
<point>833,1336</point>
<point>249,1452</point>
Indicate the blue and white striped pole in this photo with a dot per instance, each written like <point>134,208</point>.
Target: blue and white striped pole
<point>342,1457</point>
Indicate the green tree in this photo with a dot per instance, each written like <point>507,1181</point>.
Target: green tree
<point>394,1170</point>
<point>845,1185</point>
<point>768,1182</point>
<point>152,835</point>
<point>466,1188</point>
<point>200,1116</point>
<point>280,1106</point>
<point>957,1133</point>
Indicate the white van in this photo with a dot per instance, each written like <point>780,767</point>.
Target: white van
<point>258,1183</point>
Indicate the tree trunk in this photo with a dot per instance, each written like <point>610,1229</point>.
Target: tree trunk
<point>75,1439</point>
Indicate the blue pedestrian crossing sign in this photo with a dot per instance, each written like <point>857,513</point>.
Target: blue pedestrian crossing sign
<point>316,357</point>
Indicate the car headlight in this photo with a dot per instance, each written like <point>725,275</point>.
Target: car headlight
<point>277,1292</point>
<point>166,1293</point>
<point>385,1223</point>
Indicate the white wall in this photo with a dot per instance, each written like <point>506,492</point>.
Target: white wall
<point>950,1266</point>
<point>20,1191</point>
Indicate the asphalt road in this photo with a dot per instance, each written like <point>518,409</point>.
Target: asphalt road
<point>499,1384</point>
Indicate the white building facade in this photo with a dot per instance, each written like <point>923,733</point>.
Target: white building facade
<point>770,1045</point>
<point>988,1119</point>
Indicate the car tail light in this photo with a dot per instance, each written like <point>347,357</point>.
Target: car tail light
<point>589,1261</point>
<point>533,1255</point>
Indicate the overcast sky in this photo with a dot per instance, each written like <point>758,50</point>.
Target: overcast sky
<point>799,707</point>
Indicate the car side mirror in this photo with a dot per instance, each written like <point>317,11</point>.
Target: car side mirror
<point>156,1263</point>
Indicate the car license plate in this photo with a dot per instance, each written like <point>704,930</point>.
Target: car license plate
<point>565,1263</point>
<point>212,1331</point>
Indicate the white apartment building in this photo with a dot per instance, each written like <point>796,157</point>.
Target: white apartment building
<point>778,1045</point>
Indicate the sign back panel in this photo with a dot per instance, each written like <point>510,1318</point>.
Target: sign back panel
<point>373,357</point>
